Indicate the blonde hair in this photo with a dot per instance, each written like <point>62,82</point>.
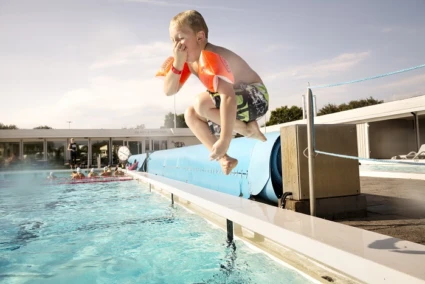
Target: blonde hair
<point>192,19</point>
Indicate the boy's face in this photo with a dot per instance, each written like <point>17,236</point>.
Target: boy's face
<point>188,38</point>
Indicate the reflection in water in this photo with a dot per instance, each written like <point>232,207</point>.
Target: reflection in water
<point>100,226</point>
<point>27,232</point>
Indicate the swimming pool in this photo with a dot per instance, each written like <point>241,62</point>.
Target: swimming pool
<point>118,232</point>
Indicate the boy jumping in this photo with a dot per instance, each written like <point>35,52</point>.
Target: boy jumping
<point>235,107</point>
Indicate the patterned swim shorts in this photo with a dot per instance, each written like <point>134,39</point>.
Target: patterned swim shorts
<point>252,103</point>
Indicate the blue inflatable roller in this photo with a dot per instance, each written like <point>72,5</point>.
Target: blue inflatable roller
<point>258,173</point>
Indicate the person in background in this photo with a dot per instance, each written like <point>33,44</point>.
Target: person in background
<point>92,174</point>
<point>51,176</point>
<point>73,148</point>
<point>118,172</point>
<point>106,172</point>
<point>77,175</point>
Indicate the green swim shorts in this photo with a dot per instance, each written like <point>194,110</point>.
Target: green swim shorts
<point>252,103</point>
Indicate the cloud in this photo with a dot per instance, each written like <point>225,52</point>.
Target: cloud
<point>174,4</point>
<point>109,102</point>
<point>403,88</point>
<point>387,30</point>
<point>323,68</point>
<point>274,47</point>
<point>135,54</point>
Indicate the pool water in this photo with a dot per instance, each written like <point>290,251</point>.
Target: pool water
<point>118,232</point>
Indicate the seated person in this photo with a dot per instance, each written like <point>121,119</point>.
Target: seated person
<point>106,172</point>
<point>92,173</point>
<point>77,175</point>
<point>118,172</point>
<point>51,176</point>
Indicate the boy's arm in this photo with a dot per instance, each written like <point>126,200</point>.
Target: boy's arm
<point>227,118</point>
<point>172,80</point>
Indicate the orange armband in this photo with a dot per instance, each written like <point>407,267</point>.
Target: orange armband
<point>212,66</point>
<point>166,67</point>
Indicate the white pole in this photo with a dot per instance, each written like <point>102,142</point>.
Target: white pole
<point>175,120</point>
<point>311,154</point>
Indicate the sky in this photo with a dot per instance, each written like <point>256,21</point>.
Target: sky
<point>93,62</point>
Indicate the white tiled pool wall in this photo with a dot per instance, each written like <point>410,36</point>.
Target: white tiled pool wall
<point>306,266</point>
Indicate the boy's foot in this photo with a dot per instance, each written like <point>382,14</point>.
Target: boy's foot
<point>228,164</point>
<point>254,131</point>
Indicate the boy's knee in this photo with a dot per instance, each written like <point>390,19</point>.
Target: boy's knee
<point>197,105</point>
<point>189,113</point>
<point>200,105</point>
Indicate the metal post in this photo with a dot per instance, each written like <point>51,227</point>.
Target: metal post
<point>303,105</point>
<point>315,105</point>
<point>175,120</point>
<point>172,199</point>
<point>418,138</point>
<point>311,152</point>
<point>229,231</point>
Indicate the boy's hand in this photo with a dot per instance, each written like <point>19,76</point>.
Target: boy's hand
<point>180,54</point>
<point>219,149</point>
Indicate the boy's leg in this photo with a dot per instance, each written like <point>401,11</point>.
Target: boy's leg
<point>205,107</point>
<point>199,127</point>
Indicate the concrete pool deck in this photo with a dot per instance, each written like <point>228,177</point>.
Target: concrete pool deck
<point>366,256</point>
<point>395,207</point>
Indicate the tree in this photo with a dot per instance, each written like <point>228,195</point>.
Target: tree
<point>43,127</point>
<point>285,114</point>
<point>4,126</point>
<point>331,108</point>
<point>169,121</point>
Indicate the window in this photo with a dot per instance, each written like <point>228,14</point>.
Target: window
<point>159,145</point>
<point>33,153</point>
<point>147,145</point>
<point>9,155</point>
<point>135,147</point>
<point>100,148</point>
<point>56,154</point>
<point>116,144</point>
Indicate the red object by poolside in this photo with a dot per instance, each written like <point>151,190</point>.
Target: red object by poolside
<point>89,180</point>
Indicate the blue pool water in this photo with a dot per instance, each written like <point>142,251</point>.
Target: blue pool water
<point>118,232</point>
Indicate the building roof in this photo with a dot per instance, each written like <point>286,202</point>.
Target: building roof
<point>380,112</point>
<point>85,133</point>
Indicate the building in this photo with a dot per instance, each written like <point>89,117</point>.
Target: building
<point>384,130</point>
<point>47,148</point>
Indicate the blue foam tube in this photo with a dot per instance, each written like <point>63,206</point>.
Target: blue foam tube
<point>258,173</point>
